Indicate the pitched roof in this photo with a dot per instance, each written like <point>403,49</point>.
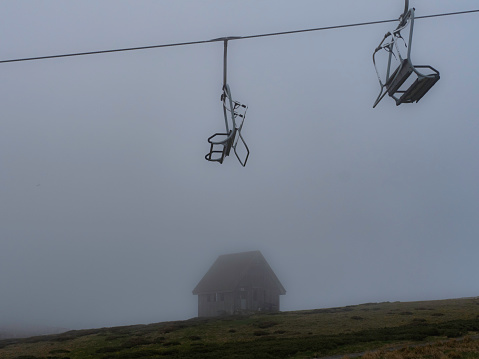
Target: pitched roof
<point>229,271</point>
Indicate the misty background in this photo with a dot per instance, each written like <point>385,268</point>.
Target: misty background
<point>110,215</point>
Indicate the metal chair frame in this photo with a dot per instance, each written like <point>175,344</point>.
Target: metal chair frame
<point>393,85</point>
<point>234,115</point>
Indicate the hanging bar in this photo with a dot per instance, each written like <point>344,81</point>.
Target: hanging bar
<point>225,61</point>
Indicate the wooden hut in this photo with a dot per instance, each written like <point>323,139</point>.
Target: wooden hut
<point>238,283</point>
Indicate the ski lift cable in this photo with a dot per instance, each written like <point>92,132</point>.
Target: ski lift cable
<point>229,38</point>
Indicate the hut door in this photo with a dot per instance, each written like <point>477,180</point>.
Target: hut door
<point>243,300</point>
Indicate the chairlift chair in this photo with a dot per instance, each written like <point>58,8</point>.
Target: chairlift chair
<point>394,85</point>
<point>234,115</point>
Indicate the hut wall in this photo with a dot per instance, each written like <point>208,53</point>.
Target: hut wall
<point>215,304</point>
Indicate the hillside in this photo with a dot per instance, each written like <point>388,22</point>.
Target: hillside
<point>22,331</point>
<point>298,334</point>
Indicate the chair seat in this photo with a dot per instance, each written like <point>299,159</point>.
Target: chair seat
<point>219,149</point>
<point>418,89</point>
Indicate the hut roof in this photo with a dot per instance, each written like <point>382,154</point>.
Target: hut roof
<point>229,271</point>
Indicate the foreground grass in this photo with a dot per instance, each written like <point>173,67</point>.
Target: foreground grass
<point>467,347</point>
<point>299,334</point>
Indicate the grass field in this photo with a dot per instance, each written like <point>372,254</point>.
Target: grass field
<point>370,328</point>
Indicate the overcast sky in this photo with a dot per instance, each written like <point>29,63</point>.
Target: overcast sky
<point>110,215</point>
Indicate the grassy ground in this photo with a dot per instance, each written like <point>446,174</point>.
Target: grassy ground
<point>467,347</point>
<point>299,334</point>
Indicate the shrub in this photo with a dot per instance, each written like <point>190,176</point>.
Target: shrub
<point>453,333</point>
<point>135,342</point>
<point>113,337</point>
<point>169,344</point>
<point>159,340</point>
<point>145,353</point>
<point>174,327</point>
<point>108,350</point>
<point>59,351</point>
<point>260,333</point>
<point>357,317</point>
<point>168,352</point>
<point>266,324</point>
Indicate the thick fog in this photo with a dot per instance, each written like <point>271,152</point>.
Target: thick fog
<point>110,214</point>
